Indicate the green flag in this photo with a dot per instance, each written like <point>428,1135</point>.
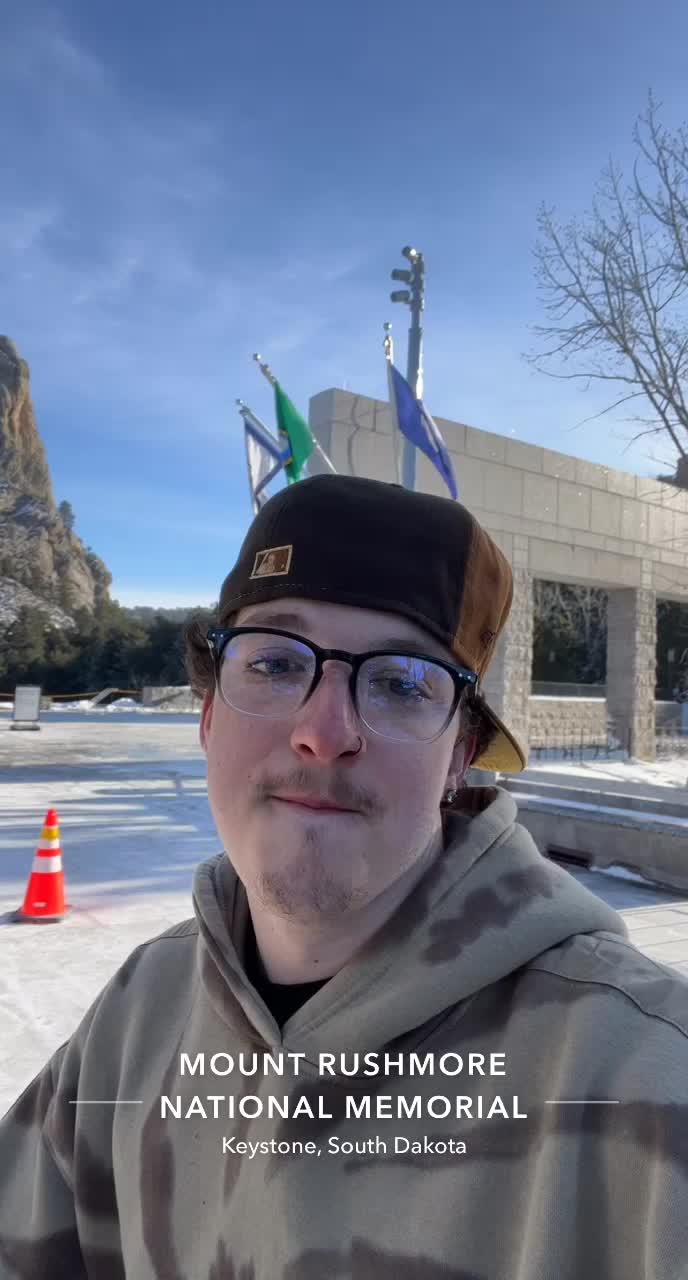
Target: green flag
<point>296,429</point>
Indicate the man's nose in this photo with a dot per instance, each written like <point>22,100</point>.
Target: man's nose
<point>328,725</point>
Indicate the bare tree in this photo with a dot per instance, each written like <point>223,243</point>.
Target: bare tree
<point>551,612</point>
<point>615,288</point>
<point>575,615</point>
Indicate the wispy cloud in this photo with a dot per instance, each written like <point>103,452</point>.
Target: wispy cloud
<point>123,270</point>
<point>22,229</point>
<point>167,212</point>
<point>109,213</point>
<point>141,277</point>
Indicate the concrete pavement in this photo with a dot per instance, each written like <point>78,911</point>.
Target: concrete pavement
<point>661,932</point>
<point>657,919</point>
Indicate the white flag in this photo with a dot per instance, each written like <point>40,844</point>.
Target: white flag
<point>265,456</point>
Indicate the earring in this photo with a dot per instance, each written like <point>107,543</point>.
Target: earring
<point>450,796</point>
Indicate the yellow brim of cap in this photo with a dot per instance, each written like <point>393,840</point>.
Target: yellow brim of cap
<point>504,754</point>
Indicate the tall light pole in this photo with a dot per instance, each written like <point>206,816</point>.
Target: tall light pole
<point>414,297</point>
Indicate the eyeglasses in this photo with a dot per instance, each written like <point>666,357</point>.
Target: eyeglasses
<point>408,697</point>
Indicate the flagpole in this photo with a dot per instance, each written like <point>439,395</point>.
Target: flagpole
<point>328,463</point>
<point>414,297</point>
<point>254,501</point>
<point>265,369</point>
<point>414,361</point>
<point>396,433</point>
<point>267,373</point>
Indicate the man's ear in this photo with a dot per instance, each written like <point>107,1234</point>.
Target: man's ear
<point>206,719</point>
<point>462,756</point>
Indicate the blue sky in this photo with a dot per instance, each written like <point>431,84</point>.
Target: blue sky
<point>184,185</point>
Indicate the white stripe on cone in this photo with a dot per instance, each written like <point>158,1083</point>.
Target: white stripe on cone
<point>50,844</point>
<point>47,865</point>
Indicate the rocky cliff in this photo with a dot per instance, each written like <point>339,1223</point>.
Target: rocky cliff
<point>43,564</point>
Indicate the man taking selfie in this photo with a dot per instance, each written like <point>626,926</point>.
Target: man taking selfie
<point>393,1040</point>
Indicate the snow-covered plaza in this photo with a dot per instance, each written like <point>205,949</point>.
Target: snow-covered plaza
<point>129,789</point>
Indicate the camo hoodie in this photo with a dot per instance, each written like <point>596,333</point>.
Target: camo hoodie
<point>497,951</point>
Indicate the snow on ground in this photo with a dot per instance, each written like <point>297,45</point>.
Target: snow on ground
<point>615,811</point>
<point>603,774</point>
<point>130,793</point>
<point>134,823</point>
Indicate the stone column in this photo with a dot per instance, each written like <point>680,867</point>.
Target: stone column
<point>631,665</point>
<point>507,684</point>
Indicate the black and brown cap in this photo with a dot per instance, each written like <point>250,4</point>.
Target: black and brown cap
<point>367,543</point>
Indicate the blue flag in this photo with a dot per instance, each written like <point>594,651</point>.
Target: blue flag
<point>414,422</point>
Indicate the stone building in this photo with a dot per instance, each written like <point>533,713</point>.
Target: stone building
<point>555,517</point>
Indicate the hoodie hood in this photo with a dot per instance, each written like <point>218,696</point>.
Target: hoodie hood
<point>488,906</point>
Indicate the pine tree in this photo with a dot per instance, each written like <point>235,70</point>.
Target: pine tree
<point>66,514</point>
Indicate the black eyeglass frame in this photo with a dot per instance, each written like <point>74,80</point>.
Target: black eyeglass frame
<point>218,638</point>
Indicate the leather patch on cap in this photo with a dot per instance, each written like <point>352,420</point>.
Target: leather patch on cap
<point>272,562</point>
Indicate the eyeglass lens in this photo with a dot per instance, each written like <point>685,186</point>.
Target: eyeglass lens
<point>398,696</point>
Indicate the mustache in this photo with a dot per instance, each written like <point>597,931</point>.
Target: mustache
<point>338,790</point>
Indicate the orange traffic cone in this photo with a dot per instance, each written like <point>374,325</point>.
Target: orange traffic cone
<point>44,902</point>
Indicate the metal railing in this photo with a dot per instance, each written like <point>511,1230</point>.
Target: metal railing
<point>581,744</point>
<point>588,745</point>
<point>671,742</point>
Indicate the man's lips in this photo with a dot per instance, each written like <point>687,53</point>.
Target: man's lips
<point>313,803</point>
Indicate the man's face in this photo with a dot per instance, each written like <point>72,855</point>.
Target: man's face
<point>309,864</point>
